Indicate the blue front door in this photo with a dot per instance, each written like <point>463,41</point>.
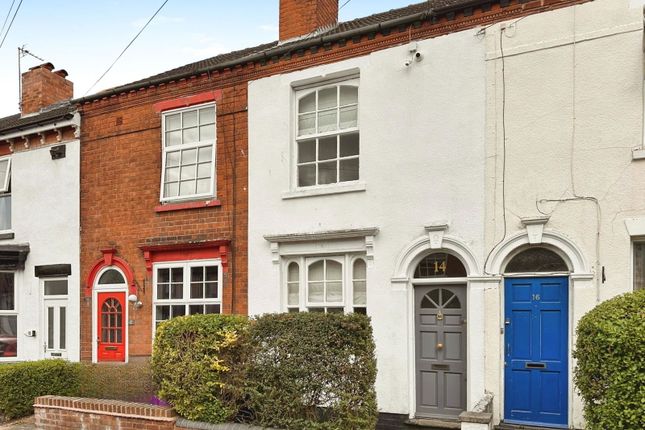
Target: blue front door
<point>536,351</point>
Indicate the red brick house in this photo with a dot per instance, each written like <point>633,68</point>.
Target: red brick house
<point>164,168</point>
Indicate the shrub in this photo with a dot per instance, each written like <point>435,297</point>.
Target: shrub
<point>21,383</point>
<point>610,373</point>
<point>312,371</point>
<point>130,382</point>
<point>194,365</point>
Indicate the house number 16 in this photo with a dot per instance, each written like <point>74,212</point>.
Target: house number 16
<point>536,297</point>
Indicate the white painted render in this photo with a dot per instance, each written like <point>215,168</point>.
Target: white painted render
<point>422,136</point>
<point>45,215</point>
<point>573,84</point>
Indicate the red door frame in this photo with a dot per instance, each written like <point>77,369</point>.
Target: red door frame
<point>111,350</point>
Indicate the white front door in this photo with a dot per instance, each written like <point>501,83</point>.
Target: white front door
<point>56,318</point>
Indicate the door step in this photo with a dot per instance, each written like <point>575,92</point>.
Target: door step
<point>503,426</point>
<point>434,423</point>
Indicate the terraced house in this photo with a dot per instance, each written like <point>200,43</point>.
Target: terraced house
<point>39,221</point>
<point>465,172</point>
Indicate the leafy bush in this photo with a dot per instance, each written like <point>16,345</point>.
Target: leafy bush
<point>312,371</point>
<point>21,383</point>
<point>610,373</point>
<point>130,382</point>
<point>194,365</point>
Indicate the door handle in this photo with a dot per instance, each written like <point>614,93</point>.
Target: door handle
<point>440,346</point>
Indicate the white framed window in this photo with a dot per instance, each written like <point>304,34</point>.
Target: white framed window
<point>326,284</point>
<point>327,134</point>
<point>8,317</point>
<point>5,193</point>
<point>55,300</point>
<point>186,288</point>
<point>188,159</point>
<point>638,251</point>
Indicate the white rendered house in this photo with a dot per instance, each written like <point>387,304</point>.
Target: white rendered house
<point>39,222</point>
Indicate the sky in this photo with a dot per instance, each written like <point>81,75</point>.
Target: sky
<point>85,36</point>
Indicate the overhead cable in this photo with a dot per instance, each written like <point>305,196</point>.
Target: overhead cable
<point>10,23</point>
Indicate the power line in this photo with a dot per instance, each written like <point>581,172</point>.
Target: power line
<point>6,18</point>
<point>344,4</point>
<point>11,23</point>
<point>126,48</point>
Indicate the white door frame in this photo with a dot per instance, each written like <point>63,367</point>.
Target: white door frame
<point>109,288</point>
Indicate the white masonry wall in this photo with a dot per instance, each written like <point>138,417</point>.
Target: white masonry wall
<point>45,214</point>
<point>421,161</point>
<point>573,80</point>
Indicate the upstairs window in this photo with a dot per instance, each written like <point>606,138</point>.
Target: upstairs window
<point>639,265</point>
<point>327,135</point>
<point>5,194</point>
<point>188,170</point>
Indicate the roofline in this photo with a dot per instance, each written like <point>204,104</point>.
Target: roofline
<point>68,120</point>
<point>282,49</point>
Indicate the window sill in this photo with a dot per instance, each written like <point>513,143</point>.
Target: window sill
<point>324,190</point>
<point>171,207</point>
<point>6,235</point>
<point>638,154</point>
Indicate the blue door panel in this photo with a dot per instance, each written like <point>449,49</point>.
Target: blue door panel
<point>536,351</point>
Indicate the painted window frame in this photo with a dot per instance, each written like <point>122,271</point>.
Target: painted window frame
<point>304,262</point>
<point>48,298</point>
<point>181,147</point>
<point>5,191</point>
<point>299,94</point>
<point>186,301</point>
<point>15,313</point>
<point>638,284</point>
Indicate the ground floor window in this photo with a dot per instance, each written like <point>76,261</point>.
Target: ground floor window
<point>187,288</point>
<point>333,284</point>
<point>8,316</point>
<point>639,265</point>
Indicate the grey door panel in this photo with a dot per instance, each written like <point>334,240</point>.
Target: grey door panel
<point>440,350</point>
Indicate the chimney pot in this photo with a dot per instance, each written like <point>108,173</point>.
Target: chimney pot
<point>302,17</point>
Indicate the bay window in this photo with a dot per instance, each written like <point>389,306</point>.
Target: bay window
<point>186,288</point>
<point>332,284</point>
<point>8,316</point>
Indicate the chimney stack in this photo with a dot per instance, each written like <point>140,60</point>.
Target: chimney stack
<point>301,17</point>
<point>42,86</point>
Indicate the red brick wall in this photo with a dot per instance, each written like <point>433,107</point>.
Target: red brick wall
<point>300,17</point>
<point>41,87</point>
<point>121,166</point>
<point>58,413</point>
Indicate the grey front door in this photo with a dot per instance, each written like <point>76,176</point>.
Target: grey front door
<point>440,350</point>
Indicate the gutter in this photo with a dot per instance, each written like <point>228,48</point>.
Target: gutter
<point>268,54</point>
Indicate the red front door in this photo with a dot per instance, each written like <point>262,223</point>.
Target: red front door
<point>111,326</point>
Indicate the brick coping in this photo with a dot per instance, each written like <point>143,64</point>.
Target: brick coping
<point>114,408</point>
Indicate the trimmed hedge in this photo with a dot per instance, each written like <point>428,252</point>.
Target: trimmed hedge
<point>130,382</point>
<point>194,365</point>
<point>610,373</point>
<point>309,371</point>
<point>21,383</point>
<point>312,371</point>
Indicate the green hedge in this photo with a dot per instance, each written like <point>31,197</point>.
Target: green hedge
<point>312,371</point>
<point>194,364</point>
<point>610,374</point>
<point>21,383</point>
<point>309,371</point>
<point>131,382</point>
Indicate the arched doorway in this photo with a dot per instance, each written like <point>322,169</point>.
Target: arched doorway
<point>536,341</point>
<point>440,299</point>
<point>110,327</point>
